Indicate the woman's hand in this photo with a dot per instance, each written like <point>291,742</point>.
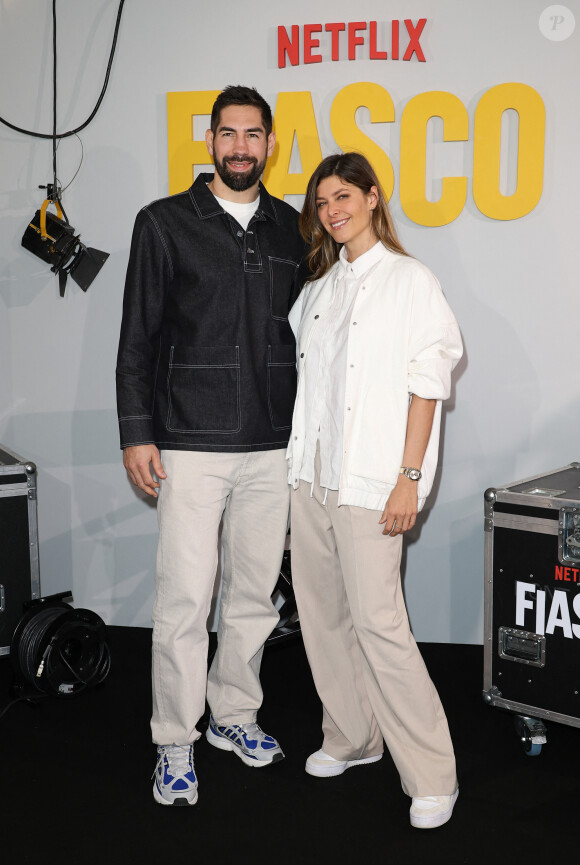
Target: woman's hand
<point>401,509</point>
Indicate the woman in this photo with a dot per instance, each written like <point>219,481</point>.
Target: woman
<point>376,343</point>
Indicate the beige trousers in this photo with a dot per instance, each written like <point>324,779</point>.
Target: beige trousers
<point>367,669</point>
<point>250,492</point>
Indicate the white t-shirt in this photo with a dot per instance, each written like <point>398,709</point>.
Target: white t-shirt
<point>242,213</point>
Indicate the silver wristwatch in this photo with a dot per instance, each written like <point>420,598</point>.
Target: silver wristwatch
<point>412,474</point>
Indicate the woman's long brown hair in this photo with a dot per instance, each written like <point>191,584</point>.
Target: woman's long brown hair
<point>351,168</point>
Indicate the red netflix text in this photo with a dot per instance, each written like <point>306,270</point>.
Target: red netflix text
<point>567,575</point>
<point>352,40</point>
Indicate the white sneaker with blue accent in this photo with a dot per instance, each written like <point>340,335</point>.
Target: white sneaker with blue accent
<point>248,741</point>
<point>175,779</point>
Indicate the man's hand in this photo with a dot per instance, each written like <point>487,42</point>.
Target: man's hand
<point>139,460</point>
<point>401,509</point>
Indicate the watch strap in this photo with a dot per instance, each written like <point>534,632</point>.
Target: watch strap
<point>410,472</point>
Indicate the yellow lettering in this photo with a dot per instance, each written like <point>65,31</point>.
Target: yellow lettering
<point>414,158</point>
<point>294,117</point>
<point>297,134</point>
<point>486,151</point>
<point>349,137</point>
<point>183,151</point>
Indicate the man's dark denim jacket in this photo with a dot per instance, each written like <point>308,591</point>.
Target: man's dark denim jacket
<point>206,357</point>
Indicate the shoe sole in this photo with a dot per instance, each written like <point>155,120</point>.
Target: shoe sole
<point>331,771</point>
<point>179,802</point>
<point>226,745</point>
<point>427,822</point>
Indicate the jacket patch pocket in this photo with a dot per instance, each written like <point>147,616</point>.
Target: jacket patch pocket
<point>203,386</point>
<point>281,384</point>
<point>282,274</point>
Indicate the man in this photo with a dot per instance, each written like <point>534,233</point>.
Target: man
<point>205,389</point>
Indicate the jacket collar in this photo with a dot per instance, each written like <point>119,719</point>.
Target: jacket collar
<point>206,205</point>
<point>363,263</point>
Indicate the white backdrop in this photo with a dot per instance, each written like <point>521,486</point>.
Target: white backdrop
<point>512,285</point>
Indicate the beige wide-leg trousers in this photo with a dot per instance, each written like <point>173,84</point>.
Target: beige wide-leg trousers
<point>250,491</point>
<point>367,669</point>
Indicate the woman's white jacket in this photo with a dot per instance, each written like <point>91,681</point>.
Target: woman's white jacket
<point>403,339</point>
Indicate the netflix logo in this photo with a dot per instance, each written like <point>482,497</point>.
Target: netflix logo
<point>352,40</point>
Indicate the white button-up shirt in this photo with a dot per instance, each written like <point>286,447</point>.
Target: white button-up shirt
<point>325,371</point>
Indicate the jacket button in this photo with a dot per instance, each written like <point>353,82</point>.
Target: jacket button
<point>240,233</point>
<point>354,322</point>
<point>316,316</point>
<point>250,250</point>
<point>302,355</point>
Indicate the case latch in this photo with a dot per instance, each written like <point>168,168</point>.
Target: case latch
<point>569,536</point>
<point>523,647</point>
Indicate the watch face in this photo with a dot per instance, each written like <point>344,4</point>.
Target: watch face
<point>413,474</point>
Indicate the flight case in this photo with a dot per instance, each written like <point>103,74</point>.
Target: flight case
<point>532,601</point>
<point>19,572</point>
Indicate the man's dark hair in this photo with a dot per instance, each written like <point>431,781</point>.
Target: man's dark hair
<point>237,94</point>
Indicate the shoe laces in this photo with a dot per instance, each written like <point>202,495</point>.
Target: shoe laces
<point>253,731</point>
<point>178,759</point>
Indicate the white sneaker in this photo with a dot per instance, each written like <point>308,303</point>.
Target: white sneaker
<point>428,812</point>
<point>175,780</point>
<point>324,766</point>
<point>248,741</point>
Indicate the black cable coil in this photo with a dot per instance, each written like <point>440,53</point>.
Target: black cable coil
<point>60,650</point>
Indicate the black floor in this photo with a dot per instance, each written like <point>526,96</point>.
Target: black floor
<point>76,788</point>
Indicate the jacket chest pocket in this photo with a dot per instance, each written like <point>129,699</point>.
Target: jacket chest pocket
<point>203,389</point>
<point>281,384</point>
<point>282,277</point>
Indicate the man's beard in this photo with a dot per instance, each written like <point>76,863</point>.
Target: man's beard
<point>236,181</point>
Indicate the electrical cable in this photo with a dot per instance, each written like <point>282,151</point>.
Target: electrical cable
<point>26,699</point>
<point>60,650</point>
<point>53,135</point>
<point>71,181</point>
<point>56,192</point>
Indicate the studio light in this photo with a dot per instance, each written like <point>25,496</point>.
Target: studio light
<point>53,239</point>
